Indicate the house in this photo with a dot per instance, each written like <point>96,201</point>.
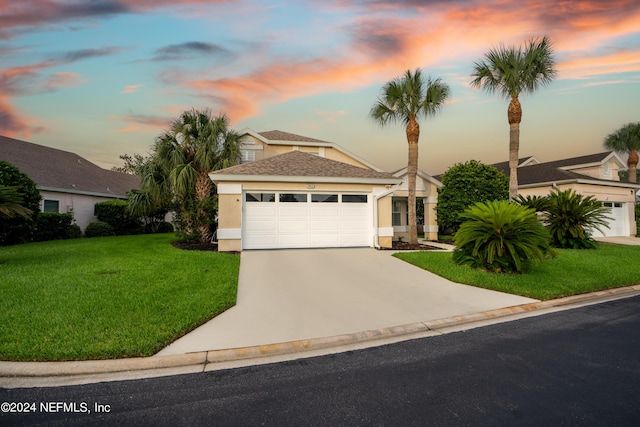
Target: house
<point>293,191</point>
<point>591,175</point>
<point>67,182</point>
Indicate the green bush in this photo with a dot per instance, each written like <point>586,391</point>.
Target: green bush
<point>115,213</point>
<point>19,229</point>
<point>570,217</point>
<point>53,226</point>
<point>465,184</point>
<point>637,219</point>
<point>164,227</point>
<point>75,232</point>
<point>98,229</point>
<point>537,203</point>
<point>500,236</point>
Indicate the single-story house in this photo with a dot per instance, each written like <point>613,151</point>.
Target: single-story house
<point>67,182</point>
<point>292,191</point>
<point>591,175</point>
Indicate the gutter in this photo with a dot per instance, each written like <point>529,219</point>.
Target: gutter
<point>84,193</point>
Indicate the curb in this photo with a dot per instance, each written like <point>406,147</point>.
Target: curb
<point>198,361</point>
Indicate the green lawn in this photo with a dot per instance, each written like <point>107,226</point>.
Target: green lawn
<point>107,297</point>
<point>571,272</point>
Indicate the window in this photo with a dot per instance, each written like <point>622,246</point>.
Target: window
<point>324,198</point>
<point>247,156</point>
<point>51,206</point>
<point>260,197</point>
<point>354,198</point>
<point>293,198</point>
<point>396,214</point>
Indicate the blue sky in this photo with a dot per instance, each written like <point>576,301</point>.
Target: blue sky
<point>103,78</point>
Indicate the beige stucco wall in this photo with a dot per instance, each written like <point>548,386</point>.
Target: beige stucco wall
<point>429,192</point>
<point>231,205</point>
<point>385,220</point>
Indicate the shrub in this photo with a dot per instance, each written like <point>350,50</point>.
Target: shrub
<point>570,217</point>
<point>637,219</point>
<point>537,203</point>
<point>19,229</point>
<point>53,226</point>
<point>164,227</point>
<point>115,213</point>
<point>75,231</point>
<point>99,229</point>
<point>465,184</point>
<point>500,236</point>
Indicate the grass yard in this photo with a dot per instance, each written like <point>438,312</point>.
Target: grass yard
<point>572,272</point>
<point>107,297</point>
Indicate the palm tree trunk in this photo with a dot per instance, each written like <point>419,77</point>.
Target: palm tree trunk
<point>514,114</point>
<point>632,162</point>
<point>203,190</point>
<point>413,133</point>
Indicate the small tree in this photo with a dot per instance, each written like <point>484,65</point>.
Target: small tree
<point>18,229</point>
<point>465,184</point>
<point>116,214</point>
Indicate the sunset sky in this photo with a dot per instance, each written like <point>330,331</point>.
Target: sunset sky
<point>104,77</point>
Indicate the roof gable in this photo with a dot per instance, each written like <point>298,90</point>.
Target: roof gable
<point>297,164</point>
<point>55,170</point>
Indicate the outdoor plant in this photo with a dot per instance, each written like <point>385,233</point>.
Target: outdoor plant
<point>537,203</point>
<point>99,229</point>
<point>116,214</point>
<point>465,184</point>
<point>20,195</point>
<point>571,217</point>
<point>53,226</point>
<point>500,236</point>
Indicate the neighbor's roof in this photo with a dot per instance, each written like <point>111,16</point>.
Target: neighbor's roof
<point>297,166</point>
<point>556,172</point>
<point>57,170</point>
<point>278,135</point>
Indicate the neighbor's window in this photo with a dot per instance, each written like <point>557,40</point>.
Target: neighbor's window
<point>354,198</point>
<point>293,198</point>
<point>324,198</point>
<point>51,206</point>
<point>260,197</point>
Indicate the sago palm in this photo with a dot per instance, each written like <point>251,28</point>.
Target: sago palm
<point>571,218</point>
<point>407,99</point>
<point>11,203</point>
<point>500,236</point>
<point>511,71</point>
<point>626,140</point>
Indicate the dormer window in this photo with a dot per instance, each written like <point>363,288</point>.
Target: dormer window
<point>606,171</point>
<point>247,156</point>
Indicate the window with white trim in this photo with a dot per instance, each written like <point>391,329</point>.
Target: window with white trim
<point>51,206</point>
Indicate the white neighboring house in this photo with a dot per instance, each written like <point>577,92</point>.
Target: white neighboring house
<point>67,182</point>
<point>591,175</point>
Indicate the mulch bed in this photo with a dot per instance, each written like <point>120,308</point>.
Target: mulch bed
<point>194,245</point>
<point>406,246</point>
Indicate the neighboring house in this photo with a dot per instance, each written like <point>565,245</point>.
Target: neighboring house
<point>592,175</point>
<point>67,182</point>
<point>297,192</point>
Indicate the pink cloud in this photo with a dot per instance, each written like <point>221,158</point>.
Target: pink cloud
<point>131,88</point>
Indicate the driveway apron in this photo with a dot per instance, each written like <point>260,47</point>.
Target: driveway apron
<point>288,295</point>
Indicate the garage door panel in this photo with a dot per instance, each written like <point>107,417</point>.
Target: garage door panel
<point>617,223</point>
<point>319,223</point>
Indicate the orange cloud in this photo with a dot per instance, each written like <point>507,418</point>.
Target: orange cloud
<point>131,88</point>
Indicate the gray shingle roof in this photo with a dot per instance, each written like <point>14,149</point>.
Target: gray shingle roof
<point>53,168</point>
<point>298,163</point>
<point>278,135</point>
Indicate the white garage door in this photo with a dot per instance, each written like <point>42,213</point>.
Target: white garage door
<point>274,220</point>
<point>618,223</point>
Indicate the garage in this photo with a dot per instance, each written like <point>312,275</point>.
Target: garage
<point>618,222</point>
<point>278,219</point>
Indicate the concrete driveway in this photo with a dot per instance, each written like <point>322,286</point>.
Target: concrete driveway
<point>288,295</point>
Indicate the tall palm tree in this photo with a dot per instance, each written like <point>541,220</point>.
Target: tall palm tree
<point>511,71</point>
<point>406,99</point>
<point>626,140</point>
<point>195,144</point>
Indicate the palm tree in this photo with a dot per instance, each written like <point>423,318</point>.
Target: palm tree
<point>11,203</point>
<point>626,140</point>
<point>511,71</point>
<point>406,99</point>
<point>195,144</point>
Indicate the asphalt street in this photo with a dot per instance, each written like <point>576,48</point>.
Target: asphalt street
<point>575,367</point>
